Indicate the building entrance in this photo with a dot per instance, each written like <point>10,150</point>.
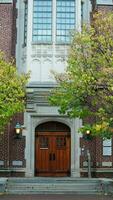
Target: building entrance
<point>52,150</point>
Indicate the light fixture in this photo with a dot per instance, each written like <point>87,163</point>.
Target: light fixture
<point>88,132</point>
<point>88,135</point>
<point>18,129</point>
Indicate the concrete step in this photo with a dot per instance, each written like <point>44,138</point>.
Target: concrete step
<point>52,185</point>
<point>49,187</point>
<point>53,192</point>
<point>52,180</point>
<point>65,185</point>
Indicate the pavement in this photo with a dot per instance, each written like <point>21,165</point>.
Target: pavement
<point>55,197</point>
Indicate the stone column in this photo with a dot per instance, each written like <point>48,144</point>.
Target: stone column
<point>78,15</point>
<point>75,148</point>
<point>28,148</point>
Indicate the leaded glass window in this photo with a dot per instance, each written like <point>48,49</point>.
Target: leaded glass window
<point>65,20</point>
<point>61,142</point>
<point>42,21</point>
<point>43,142</point>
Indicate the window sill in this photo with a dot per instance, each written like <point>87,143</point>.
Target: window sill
<point>42,43</point>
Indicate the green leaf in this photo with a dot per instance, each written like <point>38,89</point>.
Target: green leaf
<point>85,90</point>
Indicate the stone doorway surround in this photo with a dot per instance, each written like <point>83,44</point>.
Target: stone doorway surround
<point>45,114</point>
<point>39,111</point>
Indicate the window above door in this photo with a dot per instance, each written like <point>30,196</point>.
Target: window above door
<point>53,19</point>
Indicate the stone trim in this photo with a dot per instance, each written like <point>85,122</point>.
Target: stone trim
<point>104,2</point>
<point>32,121</point>
<point>107,164</point>
<point>13,170</point>
<point>17,163</point>
<point>102,170</point>
<point>6,1</point>
<point>1,162</point>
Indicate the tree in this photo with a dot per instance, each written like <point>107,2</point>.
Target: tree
<point>12,91</point>
<point>85,90</point>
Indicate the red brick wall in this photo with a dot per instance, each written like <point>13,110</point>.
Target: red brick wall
<point>95,146</point>
<point>105,8</point>
<point>11,149</point>
<point>14,30</point>
<point>7,24</point>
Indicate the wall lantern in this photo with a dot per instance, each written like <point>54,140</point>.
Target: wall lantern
<point>88,132</point>
<point>18,130</point>
<point>87,135</point>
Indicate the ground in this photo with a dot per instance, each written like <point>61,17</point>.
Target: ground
<point>55,197</point>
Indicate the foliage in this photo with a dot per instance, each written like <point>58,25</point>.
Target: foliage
<point>12,91</point>
<point>85,90</point>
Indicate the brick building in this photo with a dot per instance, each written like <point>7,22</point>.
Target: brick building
<point>10,150</point>
<point>36,32</point>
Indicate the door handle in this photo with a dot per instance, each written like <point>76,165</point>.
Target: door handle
<point>53,156</point>
<point>50,156</point>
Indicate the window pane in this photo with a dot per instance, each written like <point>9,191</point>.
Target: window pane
<point>65,20</point>
<point>42,21</point>
<point>43,142</point>
<point>107,142</point>
<point>61,142</point>
<point>107,151</point>
<point>107,147</point>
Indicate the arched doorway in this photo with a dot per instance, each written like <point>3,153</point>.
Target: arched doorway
<point>52,149</point>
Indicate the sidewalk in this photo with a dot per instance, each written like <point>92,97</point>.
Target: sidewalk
<point>55,197</point>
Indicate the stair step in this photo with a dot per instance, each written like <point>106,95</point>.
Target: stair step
<point>52,192</point>
<point>53,186</point>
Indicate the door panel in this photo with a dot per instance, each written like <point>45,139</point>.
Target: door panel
<point>62,153</point>
<point>52,154</point>
<point>42,152</point>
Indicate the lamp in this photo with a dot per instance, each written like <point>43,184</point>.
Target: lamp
<point>18,129</point>
<point>88,132</point>
<point>87,135</point>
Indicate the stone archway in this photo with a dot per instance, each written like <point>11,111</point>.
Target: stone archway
<point>52,149</point>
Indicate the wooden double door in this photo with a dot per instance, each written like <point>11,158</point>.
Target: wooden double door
<point>52,154</point>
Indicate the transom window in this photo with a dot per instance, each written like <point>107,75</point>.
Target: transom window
<point>65,21</point>
<point>42,21</point>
